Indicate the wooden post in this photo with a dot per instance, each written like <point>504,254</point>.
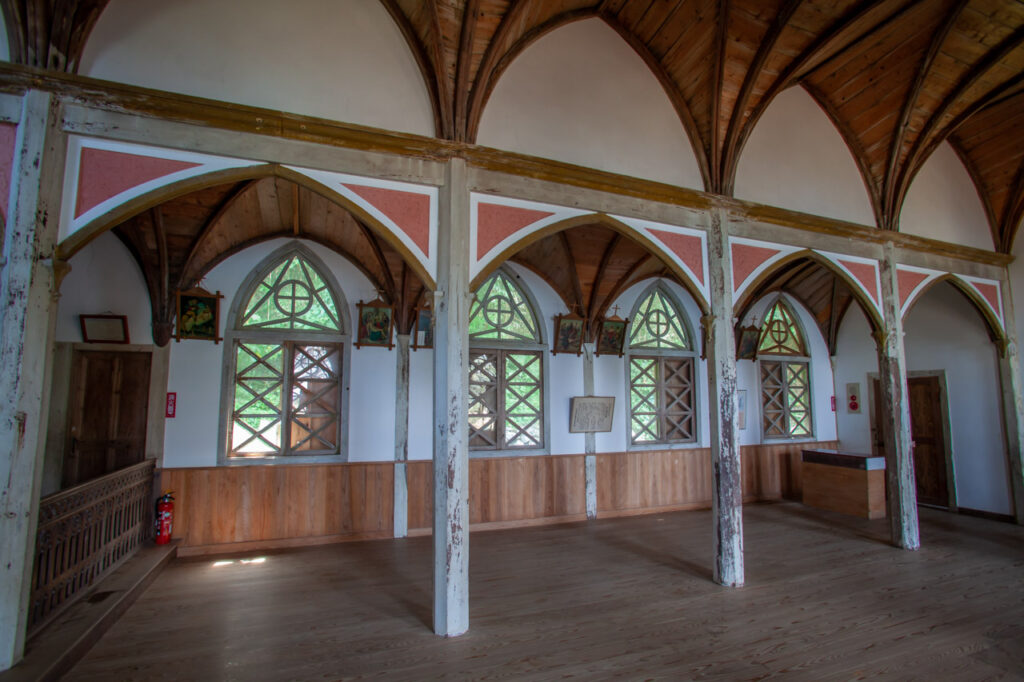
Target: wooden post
<point>892,374</point>
<point>1012,393</point>
<point>401,502</point>
<point>451,386</point>
<point>727,483</point>
<point>590,459</point>
<point>28,291</point>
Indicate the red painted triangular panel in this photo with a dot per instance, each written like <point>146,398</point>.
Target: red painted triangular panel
<point>409,210</point>
<point>990,292</point>
<point>8,136</point>
<point>496,222</point>
<point>687,247</point>
<point>865,274</point>
<point>907,281</point>
<point>746,259</point>
<point>103,174</point>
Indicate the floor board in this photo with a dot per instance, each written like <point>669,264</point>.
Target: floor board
<point>627,598</point>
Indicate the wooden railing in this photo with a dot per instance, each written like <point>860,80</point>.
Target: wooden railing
<point>86,532</point>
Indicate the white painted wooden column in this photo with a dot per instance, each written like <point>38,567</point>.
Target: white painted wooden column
<point>28,292</point>
<point>892,374</point>
<point>401,502</point>
<point>590,444</point>
<point>451,386</point>
<point>727,489</point>
<point>1012,393</point>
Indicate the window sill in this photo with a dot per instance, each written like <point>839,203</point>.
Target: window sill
<point>277,460</point>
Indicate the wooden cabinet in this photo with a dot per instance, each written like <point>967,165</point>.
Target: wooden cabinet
<point>844,482</point>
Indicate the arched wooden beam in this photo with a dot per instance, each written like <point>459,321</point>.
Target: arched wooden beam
<point>992,323</point>
<point>570,260</point>
<point>715,103</point>
<point>50,34</point>
<point>389,282</point>
<point>620,286</point>
<point>208,226</point>
<point>754,290</point>
<point>432,76</point>
<point>462,67</point>
<point>599,274</point>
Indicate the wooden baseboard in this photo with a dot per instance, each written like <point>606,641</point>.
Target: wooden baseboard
<point>982,514</point>
<point>642,511</point>
<point>283,543</point>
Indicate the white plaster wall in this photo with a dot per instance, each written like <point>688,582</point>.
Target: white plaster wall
<point>943,203</point>
<point>795,158</point>
<point>944,332</point>
<point>856,360</point>
<point>748,376</point>
<point>580,94</point>
<point>104,279</point>
<point>343,61</point>
<point>421,404</point>
<point>191,438</point>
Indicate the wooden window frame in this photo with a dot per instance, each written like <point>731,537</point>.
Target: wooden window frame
<point>784,361</point>
<point>500,413</point>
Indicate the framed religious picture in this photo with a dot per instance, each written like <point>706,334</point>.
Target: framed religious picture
<point>746,349</point>
<point>104,328</point>
<point>197,315</point>
<point>423,329</point>
<point>611,337</point>
<point>375,321</point>
<point>568,334</point>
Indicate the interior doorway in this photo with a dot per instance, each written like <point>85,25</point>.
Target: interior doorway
<point>930,438</point>
<point>108,404</point>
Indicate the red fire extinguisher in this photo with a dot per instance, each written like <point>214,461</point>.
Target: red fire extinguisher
<point>164,518</point>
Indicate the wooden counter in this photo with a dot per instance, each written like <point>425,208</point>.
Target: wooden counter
<point>845,482</point>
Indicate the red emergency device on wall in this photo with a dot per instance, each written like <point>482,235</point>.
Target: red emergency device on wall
<point>164,518</point>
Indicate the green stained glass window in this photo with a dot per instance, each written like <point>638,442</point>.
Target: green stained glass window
<point>785,399</point>
<point>500,312</point>
<point>294,296</point>
<point>657,325</point>
<point>780,334</point>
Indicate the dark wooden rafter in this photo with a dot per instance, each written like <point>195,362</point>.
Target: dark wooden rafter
<point>715,103</point>
<point>621,284</point>
<point>387,279</point>
<point>890,188</point>
<point>463,65</point>
<point>50,34</point>
<point>430,69</point>
<point>931,135</point>
<point>487,79</point>
<point>599,276</point>
<point>994,221</point>
<point>186,278</point>
<point>1013,215</point>
<point>570,265</point>
<point>790,76</point>
<point>754,70</point>
<point>674,94</point>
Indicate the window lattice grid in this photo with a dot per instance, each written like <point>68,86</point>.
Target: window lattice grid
<point>506,408</point>
<point>780,334</point>
<point>286,393</point>
<point>662,399</point>
<point>293,295</point>
<point>501,312</point>
<point>658,325</point>
<point>785,399</point>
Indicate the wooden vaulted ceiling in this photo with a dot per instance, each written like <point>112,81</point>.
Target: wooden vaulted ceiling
<point>897,77</point>
<point>179,241</point>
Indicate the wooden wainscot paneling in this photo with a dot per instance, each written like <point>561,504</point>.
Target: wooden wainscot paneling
<point>772,471</point>
<point>649,480</point>
<point>238,508</point>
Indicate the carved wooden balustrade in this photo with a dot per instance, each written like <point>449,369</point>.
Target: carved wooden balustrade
<point>84,533</point>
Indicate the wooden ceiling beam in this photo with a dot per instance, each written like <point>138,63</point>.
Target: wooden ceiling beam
<point>480,90</point>
<point>599,275</point>
<point>570,260</point>
<point>50,34</point>
<point>386,277</point>
<point>721,41</point>
<point>750,79</point>
<point>186,278</point>
<point>621,284</point>
<point>463,65</point>
<point>1013,214</point>
<point>924,68</point>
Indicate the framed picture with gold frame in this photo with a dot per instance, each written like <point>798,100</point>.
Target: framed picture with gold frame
<point>569,331</point>
<point>611,337</point>
<point>197,315</point>
<point>376,320</point>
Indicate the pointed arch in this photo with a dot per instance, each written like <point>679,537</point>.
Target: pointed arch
<point>138,204</point>
<point>993,324</point>
<point>669,260</point>
<point>502,310</point>
<point>756,289</point>
<point>781,331</point>
<point>650,331</point>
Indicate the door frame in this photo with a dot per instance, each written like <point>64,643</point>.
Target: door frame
<point>947,427</point>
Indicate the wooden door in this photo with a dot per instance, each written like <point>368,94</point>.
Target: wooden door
<point>927,431</point>
<point>109,399</point>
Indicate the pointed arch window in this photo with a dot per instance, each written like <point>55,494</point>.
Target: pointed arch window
<point>506,378</point>
<point>662,385</point>
<point>288,348</point>
<point>785,375</point>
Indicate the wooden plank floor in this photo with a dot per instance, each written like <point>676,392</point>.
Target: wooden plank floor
<point>628,598</point>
